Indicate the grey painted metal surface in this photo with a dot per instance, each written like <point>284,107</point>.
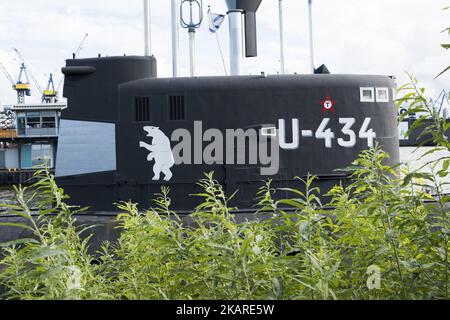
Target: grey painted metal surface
<point>85,147</point>
<point>2,160</point>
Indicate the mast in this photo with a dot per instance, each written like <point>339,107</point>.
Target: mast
<point>243,39</point>
<point>175,39</point>
<point>193,22</point>
<point>236,48</point>
<point>147,28</point>
<point>280,11</point>
<point>311,40</point>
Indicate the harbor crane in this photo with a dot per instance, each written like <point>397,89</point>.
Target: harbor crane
<point>23,88</point>
<point>50,94</point>
<point>24,63</point>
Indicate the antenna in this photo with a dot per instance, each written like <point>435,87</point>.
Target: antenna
<point>175,38</point>
<point>191,24</point>
<point>280,9</point>
<point>311,40</point>
<point>147,31</point>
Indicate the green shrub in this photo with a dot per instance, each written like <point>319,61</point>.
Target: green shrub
<point>301,252</point>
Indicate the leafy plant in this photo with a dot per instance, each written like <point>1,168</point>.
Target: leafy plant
<point>303,251</point>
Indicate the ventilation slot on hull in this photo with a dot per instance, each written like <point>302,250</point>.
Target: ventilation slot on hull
<point>142,109</point>
<point>176,108</point>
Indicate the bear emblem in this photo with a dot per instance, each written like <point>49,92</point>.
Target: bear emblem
<point>160,152</point>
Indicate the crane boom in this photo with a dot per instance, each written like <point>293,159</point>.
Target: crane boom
<point>76,53</point>
<point>80,47</point>
<point>36,83</point>
<point>8,76</point>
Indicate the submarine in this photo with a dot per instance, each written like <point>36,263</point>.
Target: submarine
<point>126,132</point>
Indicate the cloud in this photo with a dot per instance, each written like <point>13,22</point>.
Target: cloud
<point>352,36</point>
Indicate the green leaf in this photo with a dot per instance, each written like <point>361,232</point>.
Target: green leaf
<point>51,272</point>
<point>279,287</point>
<point>446,164</point>
<point>291,202</point>
<point>18,241</point>
<point>301,194</point>
<point>16,224</point>
<point>88,228</point>
<point>45,252</point>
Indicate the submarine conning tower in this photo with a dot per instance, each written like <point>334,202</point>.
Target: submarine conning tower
<point>86,153</point>
<point>91,85</point>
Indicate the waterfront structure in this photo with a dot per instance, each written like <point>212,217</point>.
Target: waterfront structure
<point>28,139</point>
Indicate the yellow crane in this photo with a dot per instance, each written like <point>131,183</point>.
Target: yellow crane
<point>36,83</point>
<point>23,88</point>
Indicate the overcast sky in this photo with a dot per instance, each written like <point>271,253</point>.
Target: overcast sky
<point>351,36</point>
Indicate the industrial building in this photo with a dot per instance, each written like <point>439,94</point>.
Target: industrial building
<point>28,131</point>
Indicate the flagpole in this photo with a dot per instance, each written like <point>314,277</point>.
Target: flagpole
<point>311,42</point>
<point>218,43</point>
<point>280,6</point>
<point>221,55</point>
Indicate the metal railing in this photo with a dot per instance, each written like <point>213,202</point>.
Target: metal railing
<point>38,132</point>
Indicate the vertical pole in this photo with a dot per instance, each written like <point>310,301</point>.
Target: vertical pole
<point>311,42</point>
<point>192,51</point>
<point>175,37</point>
<point>191,42</point>
<point>19,153</point>
<point>190,25</point>
<point>280,7</point>
<point>236,47</point>
<point>147,31</point>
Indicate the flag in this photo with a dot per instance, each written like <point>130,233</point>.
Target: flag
<point>215,21</point>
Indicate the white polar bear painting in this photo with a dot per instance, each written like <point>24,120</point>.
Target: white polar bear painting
<point>160,152</point>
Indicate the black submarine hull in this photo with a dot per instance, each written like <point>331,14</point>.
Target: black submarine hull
<point>310,124</point>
